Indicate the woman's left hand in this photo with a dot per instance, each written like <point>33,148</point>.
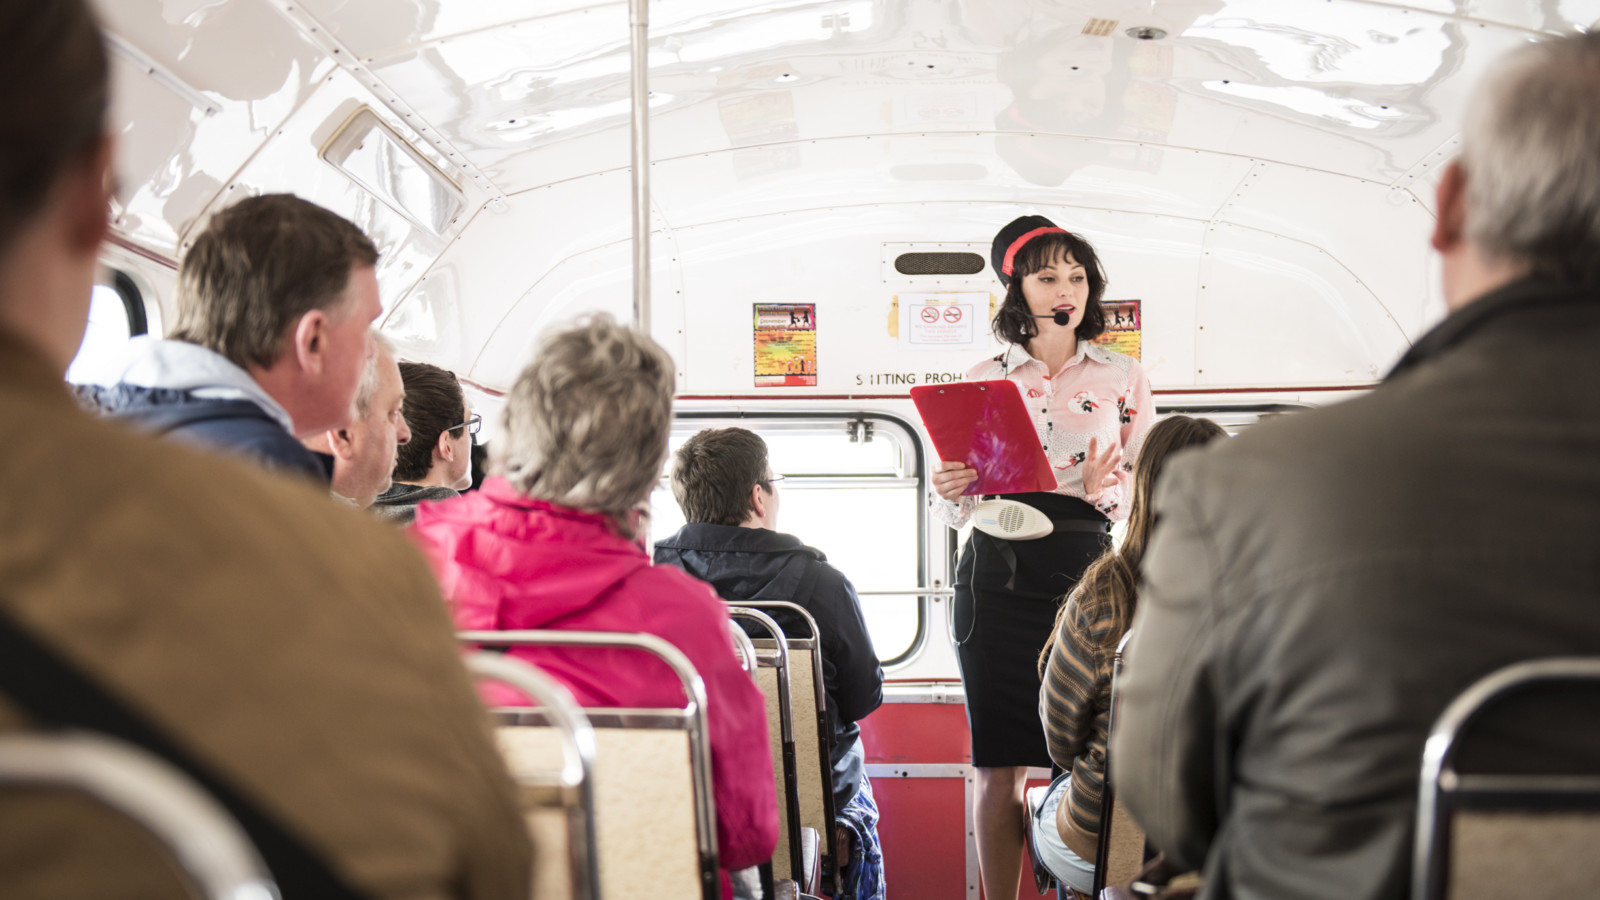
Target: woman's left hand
<point>1100,470</point>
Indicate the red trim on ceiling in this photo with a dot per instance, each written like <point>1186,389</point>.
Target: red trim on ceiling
<point>117,240</point>
<point>1181,392</point>
<point>1184,392</point>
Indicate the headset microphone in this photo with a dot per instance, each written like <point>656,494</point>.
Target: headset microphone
<point>1062,317</point>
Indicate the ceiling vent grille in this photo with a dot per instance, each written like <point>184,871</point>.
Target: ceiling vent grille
<point>938,264</point>
<point>1100,27</point>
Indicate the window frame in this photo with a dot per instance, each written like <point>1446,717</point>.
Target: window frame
<point>903,433</point>
<point>132,302</point>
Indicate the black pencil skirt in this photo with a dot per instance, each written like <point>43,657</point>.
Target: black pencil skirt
<point>999,629</point>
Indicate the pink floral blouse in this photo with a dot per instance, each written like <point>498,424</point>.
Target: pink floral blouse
<point>1098,393</point>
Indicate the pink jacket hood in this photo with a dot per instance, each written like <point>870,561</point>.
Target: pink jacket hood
<point>506,561</point>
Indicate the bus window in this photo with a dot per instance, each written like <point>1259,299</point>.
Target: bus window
<point>116,314</point>
<point>858,501</point>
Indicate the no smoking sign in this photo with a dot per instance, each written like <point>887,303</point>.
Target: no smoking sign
<point>934,325</point>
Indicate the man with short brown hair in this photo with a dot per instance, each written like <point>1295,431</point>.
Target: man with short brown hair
<point>724,483</point>
<point>275,298</point>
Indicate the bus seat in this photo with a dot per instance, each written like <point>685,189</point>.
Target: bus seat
<point>813,742</point>
<point>644,815</point>
<point>554,769</point>
<point>205,840</point>
<point>743,649</point>
<point>772,675</point>
<point>1122,846</point>
<point>654,825</point>
<point>1497,834</point>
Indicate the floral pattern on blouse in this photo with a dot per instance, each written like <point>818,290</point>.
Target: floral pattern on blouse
<point>1098,393</point>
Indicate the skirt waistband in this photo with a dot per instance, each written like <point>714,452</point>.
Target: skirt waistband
<point>1059,507</point>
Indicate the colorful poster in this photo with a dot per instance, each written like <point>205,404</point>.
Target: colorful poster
<point>1123,327</point>
<point>786,344</point>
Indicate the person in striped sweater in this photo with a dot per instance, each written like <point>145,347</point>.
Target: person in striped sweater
<point>1075,698</point>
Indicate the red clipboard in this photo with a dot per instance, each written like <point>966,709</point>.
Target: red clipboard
<point>986,425</point>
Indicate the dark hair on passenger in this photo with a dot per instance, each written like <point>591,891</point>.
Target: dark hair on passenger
<point>1013,324</point>
<point>1110,585</point>
<point>257,268</point>
<point>713,472</point>
<point>53,111</point>
<point>434,404</point>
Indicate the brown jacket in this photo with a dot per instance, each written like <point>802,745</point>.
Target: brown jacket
<point>298,649</point>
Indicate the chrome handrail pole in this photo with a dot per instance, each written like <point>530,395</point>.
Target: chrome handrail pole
<point>639,89</point>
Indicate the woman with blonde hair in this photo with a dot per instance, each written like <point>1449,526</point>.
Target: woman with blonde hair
<point>1075,701</point>
<point>555,542</point>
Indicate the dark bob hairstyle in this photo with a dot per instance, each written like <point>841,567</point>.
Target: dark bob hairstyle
<point>1013,323</point>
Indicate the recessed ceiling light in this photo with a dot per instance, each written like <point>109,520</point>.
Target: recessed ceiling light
<point>1146,33</point>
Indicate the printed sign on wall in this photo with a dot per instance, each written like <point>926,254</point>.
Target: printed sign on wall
<point>786,344</point>
<point>952,321</point>
<point>1123,327</point>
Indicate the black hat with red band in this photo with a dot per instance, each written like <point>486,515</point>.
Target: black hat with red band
<point>1013,238</point>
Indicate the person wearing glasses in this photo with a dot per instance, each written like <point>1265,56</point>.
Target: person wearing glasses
<point>724,484</point>
<point>436,464</point>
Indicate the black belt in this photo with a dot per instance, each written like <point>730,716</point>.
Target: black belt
<point>1087,525</point>
<point>1079,526</point>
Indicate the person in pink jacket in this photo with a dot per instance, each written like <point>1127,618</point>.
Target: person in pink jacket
<point>554,542</point>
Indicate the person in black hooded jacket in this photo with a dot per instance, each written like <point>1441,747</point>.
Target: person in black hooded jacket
<point>725,486</point>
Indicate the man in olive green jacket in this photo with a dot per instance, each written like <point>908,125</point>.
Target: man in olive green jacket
<point>298,651</point>
<point>1320,588</point>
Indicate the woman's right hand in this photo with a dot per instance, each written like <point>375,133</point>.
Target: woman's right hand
<point>950,479</point>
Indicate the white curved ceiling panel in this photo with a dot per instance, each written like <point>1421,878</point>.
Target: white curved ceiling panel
<point>1282,154</point>
<point>1348,86</point>
<point>378,27</point>
<point>599,280</point>
<point>1379,234</point>
<point>1275,311</point>
<point>938,169</point>
<point>290,162</point>
<point>478,279</point>
<point>184,131</point>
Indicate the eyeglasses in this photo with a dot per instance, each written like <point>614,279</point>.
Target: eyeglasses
<point>473,425</point>
<point>770,481</point>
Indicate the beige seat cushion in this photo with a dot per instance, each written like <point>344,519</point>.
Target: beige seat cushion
<point>767,678</point>
<point>644,809</point>
<point>813,771</point>
<point>1520,854</point>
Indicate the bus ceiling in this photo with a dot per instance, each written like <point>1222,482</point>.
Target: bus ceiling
<point>1257,175</point>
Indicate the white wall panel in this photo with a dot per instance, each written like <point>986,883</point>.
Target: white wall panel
<point>1274,311</point>
<point>449,317</point>
<point>1379,233</point>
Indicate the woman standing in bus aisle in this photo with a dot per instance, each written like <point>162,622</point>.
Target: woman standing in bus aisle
<point>1091,407</point>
